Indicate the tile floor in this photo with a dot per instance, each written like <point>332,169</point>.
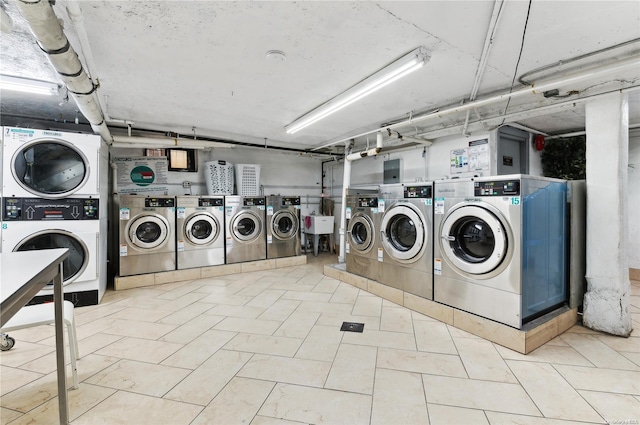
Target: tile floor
<point>266,348</point>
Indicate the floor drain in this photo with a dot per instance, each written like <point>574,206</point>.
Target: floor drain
<point>352,327</point>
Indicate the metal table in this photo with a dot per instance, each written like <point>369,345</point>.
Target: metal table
<point>22,275</point>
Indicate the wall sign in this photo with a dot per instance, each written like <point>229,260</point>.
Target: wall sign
<point>142,174</point>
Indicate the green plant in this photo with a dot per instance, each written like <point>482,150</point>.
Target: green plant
<point>565,158</point>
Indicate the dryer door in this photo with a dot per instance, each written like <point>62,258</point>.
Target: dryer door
<point>473,239</point>
<point>361,233</point>
<point>246,226</point>
<point>403,232</point>
<point>284,224</point>
<point>50,168</point>
<point>148,232</point>
<point>201,228</point>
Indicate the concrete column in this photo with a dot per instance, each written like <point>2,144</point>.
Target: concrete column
<point>606,302</point>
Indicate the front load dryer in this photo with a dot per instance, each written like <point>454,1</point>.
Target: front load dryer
<point>500,246</point>
<point>283,226</point>
<point>147,242</point>
<point>361,248</point>
<point>406,228</point>
<point>245,229</point>
<point>50,164</point>
<point>199,231</point>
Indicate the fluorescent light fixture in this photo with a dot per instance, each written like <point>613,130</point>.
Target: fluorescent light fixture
<point>28,85</point>
<point>392,72</point>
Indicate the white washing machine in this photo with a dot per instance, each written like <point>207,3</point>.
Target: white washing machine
<point>361,248</point>
<point>500,249</point>
<point>199,231</point>
<point>73,223</point>
<point>283,226</point>
<point>245,229</point>
<point>147,241</point>
<point>406,228</point>
<point>50,164</point>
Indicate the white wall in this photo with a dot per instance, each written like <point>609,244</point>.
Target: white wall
<point>634,198</point>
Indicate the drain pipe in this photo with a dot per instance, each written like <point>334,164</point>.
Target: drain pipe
<point>48,32</point>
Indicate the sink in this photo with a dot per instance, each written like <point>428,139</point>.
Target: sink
<point>317,224</point>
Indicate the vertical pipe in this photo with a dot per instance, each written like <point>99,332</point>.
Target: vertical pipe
<point>346,182</point>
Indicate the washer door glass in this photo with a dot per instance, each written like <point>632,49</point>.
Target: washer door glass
<point>246,226</point>
<point>149,232</point>
<point>284,224</point>
<point>73,265</point>
<point>474,239</point>
<point>361,233</point>
<point>50,168</point>
<point>201,229</point>
<point>403,233</point>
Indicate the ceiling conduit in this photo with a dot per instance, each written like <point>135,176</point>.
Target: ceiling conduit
<point>48,32</point>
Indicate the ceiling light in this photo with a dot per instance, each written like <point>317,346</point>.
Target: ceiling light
<point>28,85</point>
<point>392,72</point>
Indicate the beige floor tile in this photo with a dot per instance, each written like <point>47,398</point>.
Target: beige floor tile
<point>254,326</point>
<point>141,314</point>
<point>614,408</point>
<point>89,314</point>
<point>634,357</point>
<point>321,343</point>
<point>325,308</point>
<point>95,342</point>
<point>34,334</point>
<point>186,314</point>
<point>485,395</point>
<point>605,380</point>
<point>266,298</point>
<point>401,341</point>
<point>236,311</point>
<point>237,403</point>
<point>353,369</point>
<point>264,344</point>
<point>34,393</point>
<point>631,344</point>
<point>189,331</point>
<point>8,415</point>
<point>449,415</point>
<point>138,329</point>
<point>459,333</point>
<point>265,420</point>
<point>142,350</point>
<point>327,285</point>
<point>482,361</point>
<point>598,352</point>
<point>204,383</point>
<point>226,299</point>
<point>125,408</point>
<point>336,320</point>
<point>23,352</point>
<point>398,397</point>
<point>280,310</point>
<point>297,325</point>
<point>316,405</point>
<point>307,296</point>
<point>420,362</point>
<point>139,377</point>
<point>433,337</point>
<point>396,319</point>
<point>345,294</point>
<point>497,418</point>
<point>12,378</point>
<point>546,354</point>
<point>199,350</point>
<point>552,394</point>
<point>367,306</point>
<point>311,373</point>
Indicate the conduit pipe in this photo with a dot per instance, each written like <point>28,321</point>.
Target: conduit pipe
<point>165,142</point>
<point>532,89</point>
<point>48,32</point>
<point>396,135</point>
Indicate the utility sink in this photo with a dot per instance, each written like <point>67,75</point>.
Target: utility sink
<point>318,224</point>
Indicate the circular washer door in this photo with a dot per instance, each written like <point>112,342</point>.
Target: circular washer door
<point>361,233</point>
<point>201,228</point>
<point>148,232</point>
<point>284,224</point>
<point>72,266</point>
<point>473,239</point>
<point>246,226</point>
<point>50,168</point>
<point>403,233</point>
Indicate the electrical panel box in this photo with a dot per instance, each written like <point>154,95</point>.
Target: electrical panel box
<point>392,171</point>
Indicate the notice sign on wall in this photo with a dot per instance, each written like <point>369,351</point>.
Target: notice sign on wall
<point>142,174</point>
<point>479,155</point>
<point>459,161</point>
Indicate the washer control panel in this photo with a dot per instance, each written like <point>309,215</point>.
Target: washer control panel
<point>210,202</point>
<point>418,192</point>
<point>368,202</point>
<point>38,209</point>
<point>497,188</point>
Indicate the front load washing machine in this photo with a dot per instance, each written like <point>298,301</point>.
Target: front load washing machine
<point>500,246</point>
<point>50,164</point>
<point>245,229</point>
<point>283,226</point>
<point>406,229</point>
<point>361,248</point>
<point>199,231</point>
<point>147,241</point>
<point>73,223</point>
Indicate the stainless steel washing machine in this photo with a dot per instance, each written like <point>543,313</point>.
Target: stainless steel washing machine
<point>361,248</point>
<point>147,234</point>
<point>500,246</point>
<point>283,226</point>
<point>406,229</point>
<point>199,231</point>
<point>245,229</point>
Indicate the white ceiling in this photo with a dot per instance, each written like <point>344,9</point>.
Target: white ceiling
<point>176,65</point>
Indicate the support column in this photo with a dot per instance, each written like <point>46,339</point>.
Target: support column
<point>606,302</point>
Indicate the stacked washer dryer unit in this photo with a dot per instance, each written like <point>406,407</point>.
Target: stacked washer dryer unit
<point>406,229</point>
<point>245,229</point>
<point>361,248</point>
<point>147,241</point>
<point>501,246</point>
<point>199,231</point>
<point>53,196</point>
<point>283,226</point>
